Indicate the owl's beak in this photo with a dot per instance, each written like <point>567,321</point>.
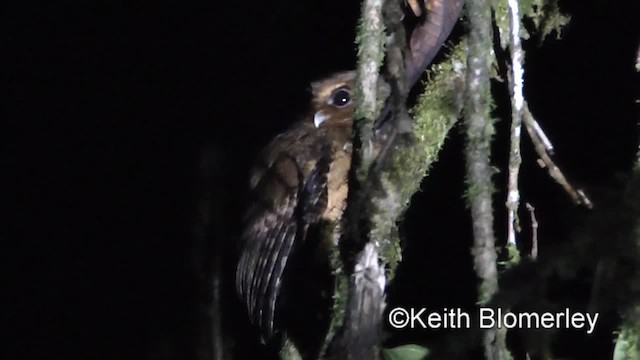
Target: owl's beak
<point>319,118</point>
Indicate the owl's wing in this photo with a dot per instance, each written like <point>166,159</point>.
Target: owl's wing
<point>290,194</point>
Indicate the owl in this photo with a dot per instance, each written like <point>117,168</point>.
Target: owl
<point>298,182</point>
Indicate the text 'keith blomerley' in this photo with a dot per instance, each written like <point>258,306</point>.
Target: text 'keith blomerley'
<point>456,318</point>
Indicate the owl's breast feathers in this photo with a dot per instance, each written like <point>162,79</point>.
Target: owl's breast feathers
<point>299,180</point>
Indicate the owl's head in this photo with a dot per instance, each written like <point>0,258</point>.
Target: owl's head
<point>333,103</point>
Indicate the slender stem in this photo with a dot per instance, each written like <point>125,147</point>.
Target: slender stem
<point>517,104</point>
<point>578,196</point>
<point>534,231</point>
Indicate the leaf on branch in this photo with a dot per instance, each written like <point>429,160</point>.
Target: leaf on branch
<point>406,352</point>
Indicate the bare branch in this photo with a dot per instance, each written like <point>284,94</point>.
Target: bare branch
<point>534,231</point>
<point>578,196</point>
<point>548,146</point>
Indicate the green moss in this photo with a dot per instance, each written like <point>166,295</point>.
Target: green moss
<point>289,351</point>
<point>513,255</point>
<point>434,115</point>
<point>340,289</point>
<point>364,35</point>
<point>370,41</point>
<point>548,19</point>
<point>628,342</point>
<point>486,291</point>
<point>545,15</point>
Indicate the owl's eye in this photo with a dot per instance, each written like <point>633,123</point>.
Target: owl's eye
<point>340,98</point>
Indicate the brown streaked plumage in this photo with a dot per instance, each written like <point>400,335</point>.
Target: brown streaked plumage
<point>299,180</point>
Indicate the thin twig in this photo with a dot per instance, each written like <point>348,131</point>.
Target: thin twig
<point>534,231</point>
<point>548,146</point>
<point>578,196</point>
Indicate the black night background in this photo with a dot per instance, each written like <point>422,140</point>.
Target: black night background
<point>109,110</point>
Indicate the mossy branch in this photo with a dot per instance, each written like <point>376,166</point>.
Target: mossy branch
<point>370,40</point>
<point>435,114</point>
<point>479,129</point>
